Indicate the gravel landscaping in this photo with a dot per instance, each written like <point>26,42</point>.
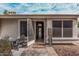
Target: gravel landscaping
<point>66,50</point>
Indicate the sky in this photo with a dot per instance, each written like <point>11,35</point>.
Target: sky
<point>41,8</point>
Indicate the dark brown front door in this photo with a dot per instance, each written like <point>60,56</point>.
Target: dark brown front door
<point>40,31</point>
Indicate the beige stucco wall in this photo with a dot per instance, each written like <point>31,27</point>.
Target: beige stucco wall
<point>9,27</point>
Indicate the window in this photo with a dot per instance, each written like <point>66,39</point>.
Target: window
<point>67,24</point>
<point>57,28</point>
<point>67,28</point>
<point>23,28</point>
<point>62,28</point>
<point>57,24</point>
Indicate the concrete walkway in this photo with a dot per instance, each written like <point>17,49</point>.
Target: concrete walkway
<point>17,52</point>
<point>76,43</point>
<point>39,50</point>
<point>51,51</point>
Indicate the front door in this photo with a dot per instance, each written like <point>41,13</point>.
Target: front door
<point>40,31</point>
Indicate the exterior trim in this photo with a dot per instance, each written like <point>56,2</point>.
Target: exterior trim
<point>39,16</point>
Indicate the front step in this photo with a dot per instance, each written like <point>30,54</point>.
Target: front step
<point>38,45</point>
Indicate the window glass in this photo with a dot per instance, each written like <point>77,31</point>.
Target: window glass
<point>67,32</point>
<point>57,32</point>
<point>57,28</point>
<point>23,28</point>
<point>67,24</point>
<point>67,29</point>
<point>57,23</point>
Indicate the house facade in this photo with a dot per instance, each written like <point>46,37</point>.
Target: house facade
<point>40,28</point>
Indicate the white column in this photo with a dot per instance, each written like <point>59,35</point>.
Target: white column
<point>49,26</point>
<point>30,32</point>
<point>75,29</point>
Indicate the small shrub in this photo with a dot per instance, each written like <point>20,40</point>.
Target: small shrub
<point>78,24</point>
<point>5,47</point>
